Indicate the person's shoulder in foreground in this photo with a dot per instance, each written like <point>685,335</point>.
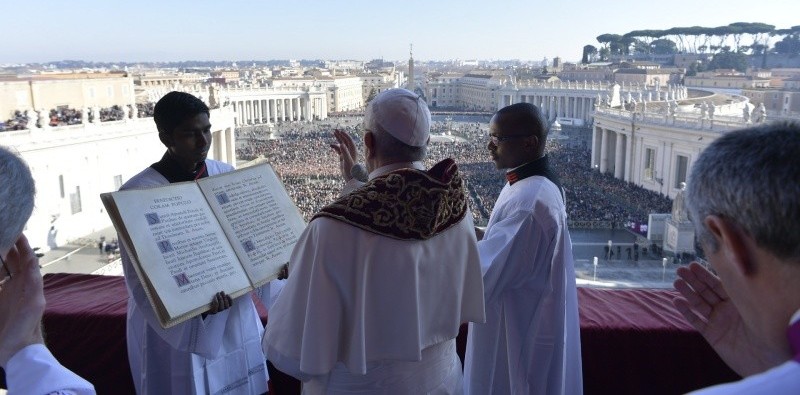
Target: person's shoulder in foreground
<point>743,199</point>
<point>30,367</point>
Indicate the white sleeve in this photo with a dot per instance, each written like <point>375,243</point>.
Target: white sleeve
<point>35,371</point>
<point>514,253</point>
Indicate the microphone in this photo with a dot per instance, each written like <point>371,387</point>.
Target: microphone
<point>359,172</point>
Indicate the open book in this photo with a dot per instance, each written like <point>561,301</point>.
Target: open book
<point>187,241</point>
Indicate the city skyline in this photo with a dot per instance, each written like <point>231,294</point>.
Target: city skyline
<point>150,31</point>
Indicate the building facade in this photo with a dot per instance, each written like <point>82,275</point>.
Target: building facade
<point>73,165</point>
<point>656,147</point>
<point>61,91</point>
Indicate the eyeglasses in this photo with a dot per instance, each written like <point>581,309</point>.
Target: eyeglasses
<point>499,139</point>
<point>8,275</point>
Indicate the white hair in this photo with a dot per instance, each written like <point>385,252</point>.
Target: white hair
<point>17,190</point>
<point>751,177</point>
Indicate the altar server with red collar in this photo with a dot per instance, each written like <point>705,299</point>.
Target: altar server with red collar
<point>530,343</point>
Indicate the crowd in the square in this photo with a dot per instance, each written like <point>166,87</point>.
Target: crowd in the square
<point>301,155</point>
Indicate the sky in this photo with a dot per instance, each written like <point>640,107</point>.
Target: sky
<point>173,30</point>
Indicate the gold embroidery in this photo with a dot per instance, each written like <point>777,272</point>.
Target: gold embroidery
<point>406,204</point>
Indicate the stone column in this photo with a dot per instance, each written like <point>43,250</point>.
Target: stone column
<point>595,153</point>
<point>221,147</point>
<point>618,156</point>
<point>604,151</point>
<point>556,105</point>
<point>628,153</point>
<point>271,110</point>
<point>229,136</point>
<point>256,112</point>
<point>283,110</point>
<point>573,104</point>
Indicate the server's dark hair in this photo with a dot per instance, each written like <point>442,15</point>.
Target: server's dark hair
<point>174,108</point>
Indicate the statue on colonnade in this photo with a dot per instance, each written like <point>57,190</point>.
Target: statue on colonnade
<point>679,212</point>
<point>762,113</point>
<point>43,119</point>
<point>32,118</point>
<point>746,113</point>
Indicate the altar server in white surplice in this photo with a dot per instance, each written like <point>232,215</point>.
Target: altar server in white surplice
<point>209,354</point>
<point>530,343</point>
<point>382,278</point>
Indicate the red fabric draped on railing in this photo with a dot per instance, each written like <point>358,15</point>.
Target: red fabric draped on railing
<point>633,341</point>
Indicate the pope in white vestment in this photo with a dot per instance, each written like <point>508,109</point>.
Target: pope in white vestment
<point>370,309</point>
<point>220,353</point>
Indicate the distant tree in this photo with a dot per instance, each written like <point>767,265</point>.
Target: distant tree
<point>696,67</point>
<point>729,60</point>
<point>678,33</point>
<point>623,46</point>
<point>604,53</point>
<point>758,31</point>
<point>643,38</point>
<point>790,44</point>
<point>589,52</point>
<point>607,38</point>
<point>641,46</point>
<point>663,46</point>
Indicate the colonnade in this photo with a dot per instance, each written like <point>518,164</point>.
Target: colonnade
<point>272,110</point>
<point>562,106</point>
<point>569,104</point>
<point>611,152</point>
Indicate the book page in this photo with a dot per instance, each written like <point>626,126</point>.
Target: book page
<point>258,216</point>
<point>180,246</point>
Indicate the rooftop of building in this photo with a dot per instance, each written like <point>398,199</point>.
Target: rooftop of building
<point>64,76</point>
<point>643,71</point>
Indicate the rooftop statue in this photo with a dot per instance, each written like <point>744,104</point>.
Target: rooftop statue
<point>679,212</point>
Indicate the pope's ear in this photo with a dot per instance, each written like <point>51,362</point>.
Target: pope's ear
<point>733,243</point>
<point>369,144</point>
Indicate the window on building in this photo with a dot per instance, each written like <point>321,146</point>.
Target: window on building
<point>61,185</point>
<point>681,166</point>
<point>75,200</point>
<point>649,163</point>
